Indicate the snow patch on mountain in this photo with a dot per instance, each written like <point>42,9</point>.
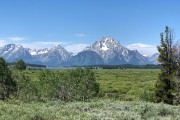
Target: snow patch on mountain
<point>38,52</point>
<point>32,52</point>
<point>114,53</point>
<point>12,53</point>
<point>104,47</point>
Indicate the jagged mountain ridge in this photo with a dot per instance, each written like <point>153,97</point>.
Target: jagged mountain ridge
<point>50,57</point>
<point>114,53</point>
<point>54,56</point>
<point>106,51</point>
<point>12,52</point>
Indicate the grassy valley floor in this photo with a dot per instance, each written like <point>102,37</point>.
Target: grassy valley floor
<point>121,94</point>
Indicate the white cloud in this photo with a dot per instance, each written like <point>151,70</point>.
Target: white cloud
<point>80,35</point>
<point>34,45</point>
<point>51,43</point>
<point>2,43</point>
<point>40,45</point>
<point>137,45</point>
<point>9,40</point>
<point>75,48</point>
<point>16,38</point>
<point>143,48</point>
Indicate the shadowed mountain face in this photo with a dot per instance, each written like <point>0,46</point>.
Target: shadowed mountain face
<point>86,58</point>
<point>106,51</point>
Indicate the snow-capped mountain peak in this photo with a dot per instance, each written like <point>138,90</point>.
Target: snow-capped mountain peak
<point>109,40</point>
<point>104,45</point>
<point>12,52</point>
<point>11,48</point>
<point>114,53</point>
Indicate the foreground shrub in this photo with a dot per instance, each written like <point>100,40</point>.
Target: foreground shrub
<point>91,110</point>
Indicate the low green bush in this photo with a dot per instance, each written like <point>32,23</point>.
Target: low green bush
<point>94,109</point>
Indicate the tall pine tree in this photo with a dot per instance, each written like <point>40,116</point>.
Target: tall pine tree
<point>177,56</point>
<point>165,86</point>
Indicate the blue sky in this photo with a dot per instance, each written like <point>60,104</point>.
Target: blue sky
<point>76,24</point>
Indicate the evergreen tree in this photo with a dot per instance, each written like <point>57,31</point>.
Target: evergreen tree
<point>165,86</point>
<point>177,57</point>
<point>20,65</point>
<point>7,84</point>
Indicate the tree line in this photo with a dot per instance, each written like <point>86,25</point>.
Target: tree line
<point>124,66</point>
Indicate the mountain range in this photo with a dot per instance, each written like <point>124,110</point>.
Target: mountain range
<point>106,51</point>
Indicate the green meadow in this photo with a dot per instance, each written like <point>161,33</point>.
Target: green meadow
<point>130,83</point>
<point>122,84</point>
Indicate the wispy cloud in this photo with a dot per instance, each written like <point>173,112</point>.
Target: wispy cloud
<point>80,35</point>
<point>16,38</point>
<point>41,44</point>
<point>75,48</point>
<point>9,40</point>
<point>143,48</point>
<point>2,43</point>
<point>137,45</point>
<point>51,43</point>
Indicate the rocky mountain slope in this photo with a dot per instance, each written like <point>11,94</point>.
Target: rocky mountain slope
<point>106,51</point>
<point>12,52</point>
<point>114,53</point>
